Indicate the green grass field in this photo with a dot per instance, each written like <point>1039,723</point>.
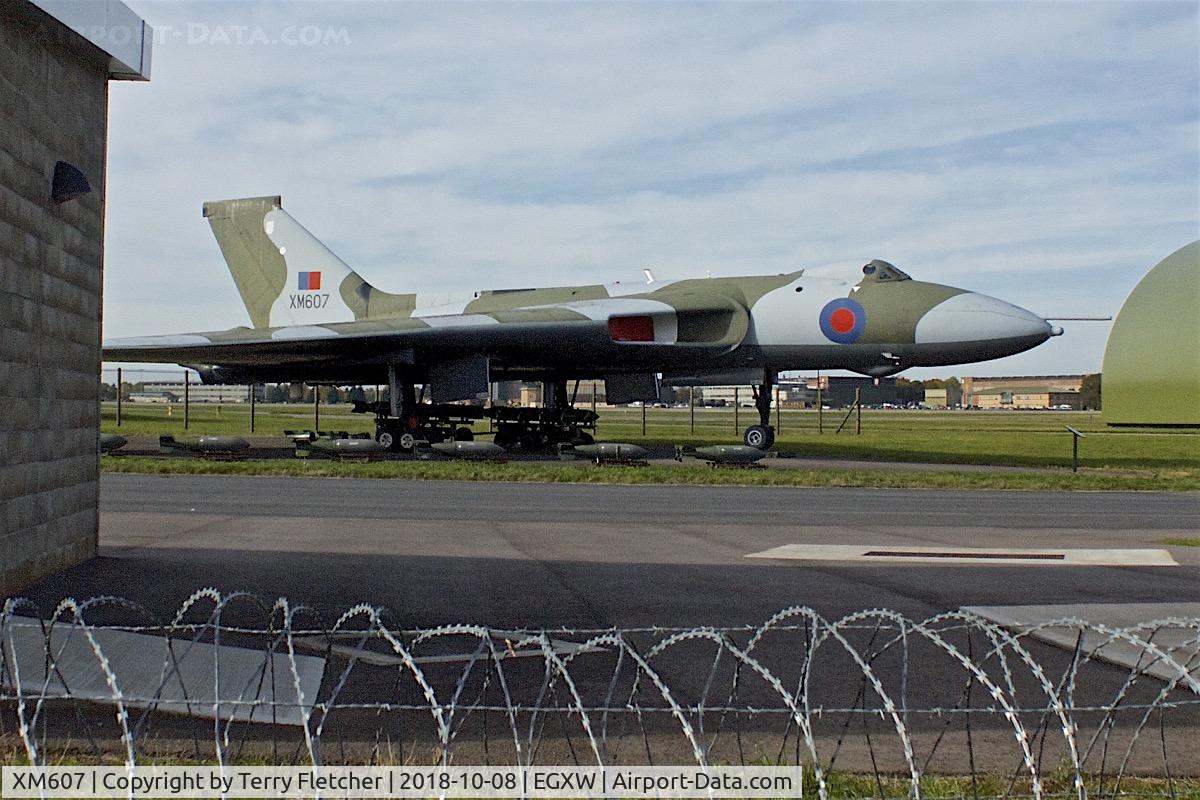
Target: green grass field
<point>700,475</point>
<point>1109,458</point>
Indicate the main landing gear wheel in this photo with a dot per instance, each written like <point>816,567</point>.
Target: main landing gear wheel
<point>759,436</point>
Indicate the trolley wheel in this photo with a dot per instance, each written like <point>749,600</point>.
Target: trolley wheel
<point>464,434</point>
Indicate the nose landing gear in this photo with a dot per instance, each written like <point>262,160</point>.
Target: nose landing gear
<point>759,436</point>
<point>762,435</point>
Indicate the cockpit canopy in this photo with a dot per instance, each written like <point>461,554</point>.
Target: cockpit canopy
<point>883,271</point>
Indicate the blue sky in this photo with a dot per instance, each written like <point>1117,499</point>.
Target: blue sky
<point>1043,153</point>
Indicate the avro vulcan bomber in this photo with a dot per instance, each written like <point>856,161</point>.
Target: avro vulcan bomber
<point>315,319</point>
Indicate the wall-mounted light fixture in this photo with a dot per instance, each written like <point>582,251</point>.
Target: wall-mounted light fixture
<point>68,183</point>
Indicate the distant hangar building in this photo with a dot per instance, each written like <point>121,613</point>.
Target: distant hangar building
<point>1025,398</point>
<point>56,59</point>
<point>839,391</point>
<point>174,391</point>
<point>1022,392</point>
<point>943,397</point>
<point>1151,367</point>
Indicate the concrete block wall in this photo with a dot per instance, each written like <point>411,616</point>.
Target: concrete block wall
<point>53,106</point>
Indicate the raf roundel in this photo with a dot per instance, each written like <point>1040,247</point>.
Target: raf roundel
<point>843,320</point>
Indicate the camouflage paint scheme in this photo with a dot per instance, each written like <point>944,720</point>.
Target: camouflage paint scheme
<point>1152,360</point>
<point>346,330</point>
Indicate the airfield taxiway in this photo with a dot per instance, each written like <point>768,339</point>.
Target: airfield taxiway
<point>512,555</point>
<point>595,556</point>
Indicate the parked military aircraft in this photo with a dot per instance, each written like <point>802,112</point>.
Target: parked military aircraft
<point>314,319</point>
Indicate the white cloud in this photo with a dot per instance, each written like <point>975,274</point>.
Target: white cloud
<point>1045,153</point>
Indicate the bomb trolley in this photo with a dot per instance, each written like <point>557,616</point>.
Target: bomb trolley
<point>529,430</point>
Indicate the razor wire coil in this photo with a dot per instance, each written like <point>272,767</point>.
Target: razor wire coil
<point>231,677</point>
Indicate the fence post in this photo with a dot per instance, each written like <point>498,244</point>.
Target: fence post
<point>187,383</point>
<point>253,400</point>
<point>118,397</point>
<point>736,406</point>
<point>820,409</point>
<point>316,408</point>
<point>778,412</point>
<point>856,406</point>
<point>692,409</point>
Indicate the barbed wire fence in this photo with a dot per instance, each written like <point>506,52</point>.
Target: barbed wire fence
<point>231,678</point>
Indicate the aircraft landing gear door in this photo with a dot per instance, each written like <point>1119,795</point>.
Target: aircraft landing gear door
<point>762,435</point>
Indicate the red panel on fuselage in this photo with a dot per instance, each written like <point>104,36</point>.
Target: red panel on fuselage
<point>631,329</point>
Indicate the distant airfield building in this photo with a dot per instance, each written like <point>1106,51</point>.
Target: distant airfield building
<point>173,391</point>
<point>1026,392</point>
<point>150,397</point>
<point>802,392</point>
<point>1027,398</point>
<point>1152,360</point>
<point>793,393</point>
<point>530,395</point>
<point>56,59</point>
<point>840,391</point>
<point>943,398</point>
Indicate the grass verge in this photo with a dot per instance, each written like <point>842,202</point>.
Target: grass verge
<point>567,472</point>
<point>1034,438</point>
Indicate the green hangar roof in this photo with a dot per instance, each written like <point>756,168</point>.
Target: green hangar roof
<point>1152,361</point>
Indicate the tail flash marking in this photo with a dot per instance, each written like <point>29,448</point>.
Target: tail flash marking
<point>285,275</point>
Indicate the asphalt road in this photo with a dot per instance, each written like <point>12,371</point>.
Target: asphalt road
<point>473,501</point>
<point>580,556</point>
<point>597,556</point>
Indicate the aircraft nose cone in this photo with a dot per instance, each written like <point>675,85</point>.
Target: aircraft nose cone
<point>971,317</point>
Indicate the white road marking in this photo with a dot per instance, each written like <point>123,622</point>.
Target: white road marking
<point>137,660</point>
<point>1180,641</point>
<point>999,556</point>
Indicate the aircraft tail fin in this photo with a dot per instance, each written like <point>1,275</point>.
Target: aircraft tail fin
<point>285,275</point>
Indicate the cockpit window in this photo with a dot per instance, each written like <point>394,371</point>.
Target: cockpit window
<point>883,271</point>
